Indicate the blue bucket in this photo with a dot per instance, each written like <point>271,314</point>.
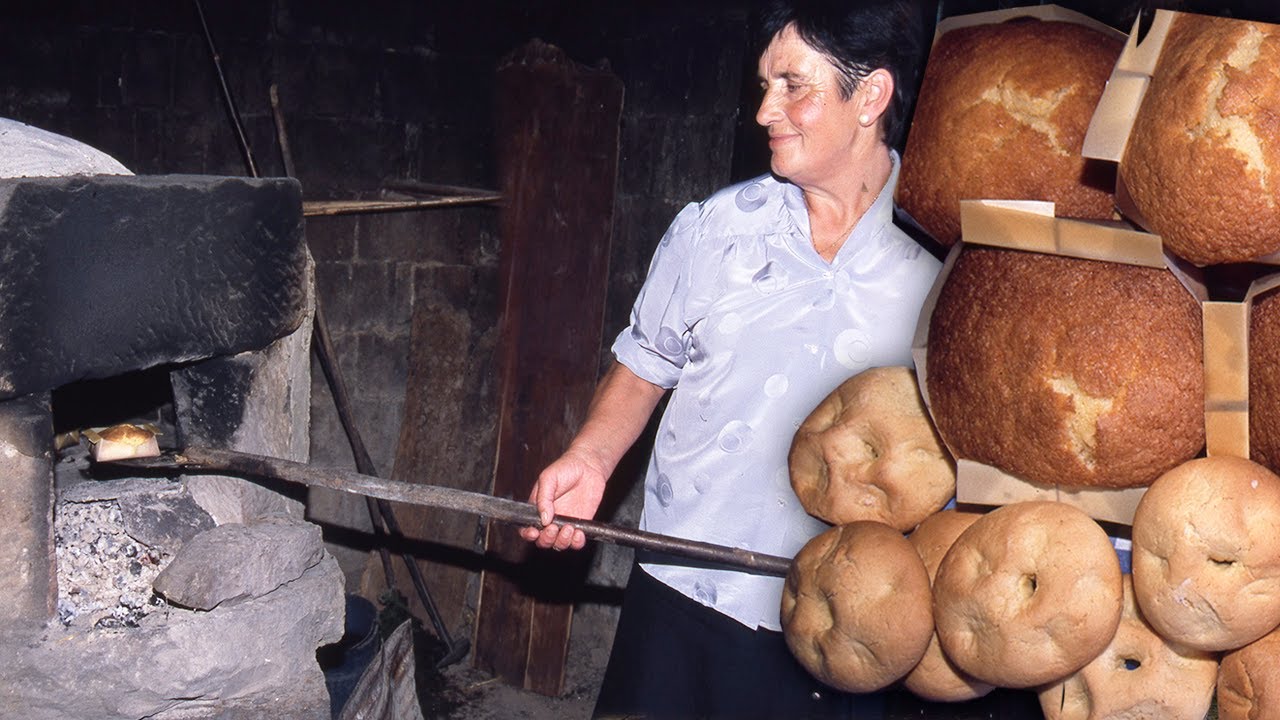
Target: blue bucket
<point>345,661</point>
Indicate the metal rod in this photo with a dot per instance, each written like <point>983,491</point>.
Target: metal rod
<point>227,98</point>
<point>286,154</point>
<point>495,508</point>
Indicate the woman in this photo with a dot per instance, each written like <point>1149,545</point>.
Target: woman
<point>759,301</point>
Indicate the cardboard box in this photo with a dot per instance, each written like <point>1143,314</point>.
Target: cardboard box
<point>1031,226</point>
<point>1227,401</point>
<point>1226,376</point>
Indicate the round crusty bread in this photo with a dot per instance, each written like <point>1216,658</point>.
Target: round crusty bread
<point>127,434</point>
<point>1027,595</point>
<point>1065,371</point>
<point>124,441</point>
<point>855,607</point>
<point>1202,165</point>
<point>1001,114</point>
<point>869,452</point>
<point>1139,675</point>
<point>1206,554</point>
<point>1264,381</point>
<point>1249,680</point>
<point>936,678</point>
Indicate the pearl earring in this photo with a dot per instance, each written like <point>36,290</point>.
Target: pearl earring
<point>865,119</point>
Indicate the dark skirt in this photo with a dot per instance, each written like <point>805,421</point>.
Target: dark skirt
<point>675,658</point>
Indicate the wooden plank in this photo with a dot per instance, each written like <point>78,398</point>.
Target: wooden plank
<point>447,436</point>
<point>319,208</point>
<point>557,136</point>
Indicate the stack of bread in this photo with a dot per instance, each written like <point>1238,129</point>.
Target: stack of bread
<point>856,608</point>
<point>1030,595</point>
<point>1074,373</point>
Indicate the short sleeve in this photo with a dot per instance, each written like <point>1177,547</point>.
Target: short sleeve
<point>655,345</point>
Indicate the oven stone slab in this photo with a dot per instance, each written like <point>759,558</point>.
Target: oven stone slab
<point>101,274</point>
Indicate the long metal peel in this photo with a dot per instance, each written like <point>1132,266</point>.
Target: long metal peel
<point>210,460</point>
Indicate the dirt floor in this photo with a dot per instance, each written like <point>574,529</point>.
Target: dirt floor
<point>462,692</point>
<point>469,694</point>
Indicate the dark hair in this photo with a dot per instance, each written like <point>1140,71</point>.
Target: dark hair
<point>858,36</point>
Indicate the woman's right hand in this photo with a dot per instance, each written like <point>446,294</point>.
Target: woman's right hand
<point>571,486</point>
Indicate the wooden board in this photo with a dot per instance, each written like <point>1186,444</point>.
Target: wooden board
<point>447,438</point>
<point>557,138</point>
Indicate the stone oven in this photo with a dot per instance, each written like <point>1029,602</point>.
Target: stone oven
<point>186,597</point>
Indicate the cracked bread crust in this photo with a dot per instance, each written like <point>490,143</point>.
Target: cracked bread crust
<point>1206,557</point>
<point>1065,371</point>
<point>856,608</point>
<point>1028,594</point>
<point>1202,164</point>
<point>868,451</point>
<point>1139,675</point>
<point>1249,680</point>
<point>1002,113</point>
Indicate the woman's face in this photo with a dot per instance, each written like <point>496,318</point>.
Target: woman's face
<point>812,130</point>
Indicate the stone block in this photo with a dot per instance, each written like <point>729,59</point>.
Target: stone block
<point>154,511</point>
<point>191,61</point>
<point>408,86</point>
<point>112,538</point>
<point>234,562</point>
<point>338,156</point>
<point>457,152</point>
<point>147,141</point>
<point>103,128</point>
<point>409,236</point>
<point>700,70</point>
<point>255,402</point>
<point>185,139</point>
<point>333,286</point>
<point>29,592</point>
<point>391,25</point>
<point>247,660</point>
<point>384,417</point>
<point>329,445</point>
<point>40,73</point>
<point>106,274</point>
<point>384,365</point>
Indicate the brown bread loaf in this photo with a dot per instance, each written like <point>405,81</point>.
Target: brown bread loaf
<point>1139,675</point>
<point>1206,554</point>
<point>1064,371</point>
<point>1249,680</point>
<point>1027,595</point>
<point>869,451</point>
<point>1202,164</point>
<point>1002,113</point>
<point>1264,381</point>
<point>936,678</point>
<point>856,608</point>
